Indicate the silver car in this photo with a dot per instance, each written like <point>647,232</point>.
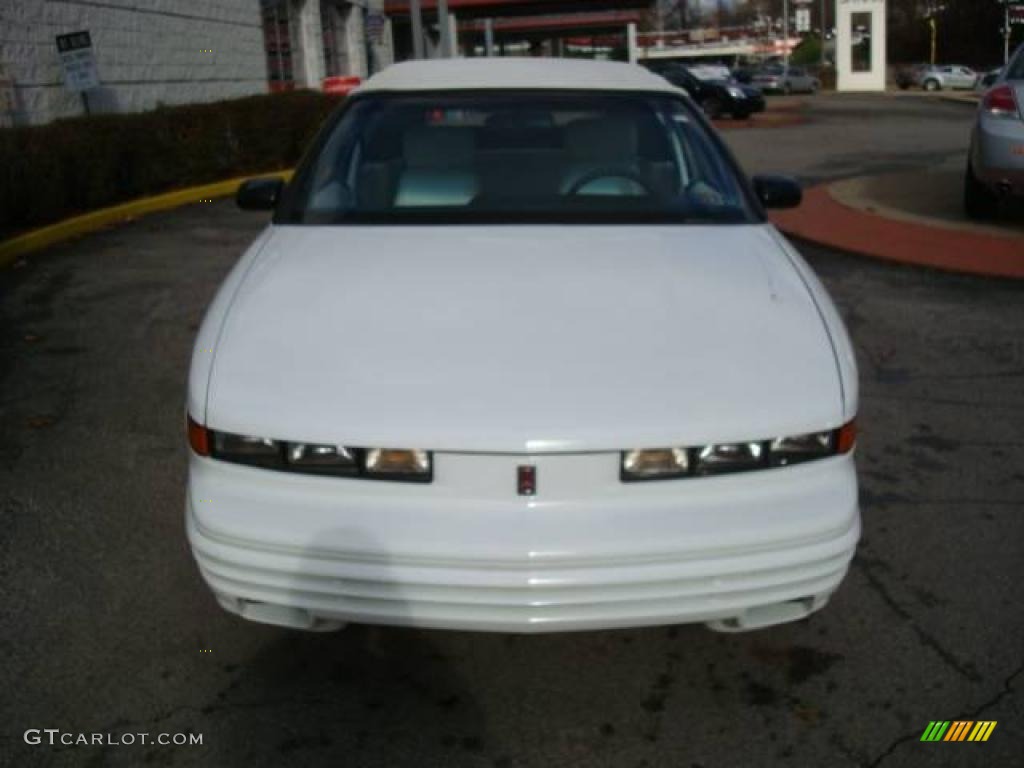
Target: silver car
<point>779,79</point>
<point>952,76</point>
<point>995,164</point>
<point>988,79</point>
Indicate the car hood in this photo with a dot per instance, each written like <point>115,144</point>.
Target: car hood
<point>522,339</point>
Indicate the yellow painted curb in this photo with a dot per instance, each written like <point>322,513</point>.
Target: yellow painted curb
<point>44,237</point>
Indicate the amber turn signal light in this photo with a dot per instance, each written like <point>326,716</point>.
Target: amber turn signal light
<point>847,437</point>
<point>198,437</point>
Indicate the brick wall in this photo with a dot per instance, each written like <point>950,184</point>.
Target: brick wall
<point>148,52</point>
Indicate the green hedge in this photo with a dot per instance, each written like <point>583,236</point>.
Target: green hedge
<point>71,166</point>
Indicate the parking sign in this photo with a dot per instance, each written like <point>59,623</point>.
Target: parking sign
<point>76,58</point>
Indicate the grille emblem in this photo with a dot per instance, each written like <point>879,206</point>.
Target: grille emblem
<point>527,480</point>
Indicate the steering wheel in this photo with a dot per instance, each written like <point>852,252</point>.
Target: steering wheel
<point>610,172</point>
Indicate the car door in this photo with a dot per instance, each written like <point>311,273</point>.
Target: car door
<point>799,80</point>
<point>967,77</point>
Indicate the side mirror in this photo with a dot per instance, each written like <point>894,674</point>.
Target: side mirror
<point>778,191</point>
<point>259,194</point>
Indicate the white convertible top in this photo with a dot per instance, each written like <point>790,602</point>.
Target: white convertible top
<point>502,73</point>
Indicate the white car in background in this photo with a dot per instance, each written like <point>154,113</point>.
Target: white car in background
<point>782,79</point>
<point>949,76</point>
<point>987,79</point>
<point>521,352</point>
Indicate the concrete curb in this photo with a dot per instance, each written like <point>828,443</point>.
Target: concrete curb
<point>44,237</point>
<point>763,120</point>
<point>825,221</point>
<point>969,101</point>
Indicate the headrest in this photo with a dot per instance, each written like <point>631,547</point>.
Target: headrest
<point>602,138</point>
<point>438,147</point>
<point>523,119</point>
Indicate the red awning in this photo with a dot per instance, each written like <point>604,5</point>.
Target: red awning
<point>564,22</point>
<point>495,8</point>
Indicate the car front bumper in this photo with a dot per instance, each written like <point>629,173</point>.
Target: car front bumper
<point>737,551</point>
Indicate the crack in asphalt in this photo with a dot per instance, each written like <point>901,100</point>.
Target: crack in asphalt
<point>868,566</point>
<point>854,755</point>
<point>924,400</point>
<point>121,724</point>
<point>962,502</point>
<point>1007,690</point>
<point>661,688</point>
<point>1014,374</point>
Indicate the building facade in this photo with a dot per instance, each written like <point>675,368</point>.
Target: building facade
<point>154,52</point>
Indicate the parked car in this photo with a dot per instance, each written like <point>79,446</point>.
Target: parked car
<point>779,79</point>
<point>995,164</point>
<point>951,76</point>
<point>715,96</point>
<point>552,375</point>
<point>720,76</point>
<point>744,75</point>
<point>988,79</point>
<point>909,75</point>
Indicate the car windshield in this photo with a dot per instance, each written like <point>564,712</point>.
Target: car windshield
<point>710,72</point>
<point>573,157</point>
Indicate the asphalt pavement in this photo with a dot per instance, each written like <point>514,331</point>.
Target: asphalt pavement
<point>107,628</point>
<point>850,135</point>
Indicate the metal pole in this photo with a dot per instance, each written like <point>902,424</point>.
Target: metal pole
<point>444,28</point>
<point>932,24</point>
<point>453,36</point>
<point>1006,34</point>
<point>416,17</point>
<point>488,37</point>
<point>785,34</point>
<point>821,57</point>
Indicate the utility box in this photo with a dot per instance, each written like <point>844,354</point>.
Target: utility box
<point>860,45</point>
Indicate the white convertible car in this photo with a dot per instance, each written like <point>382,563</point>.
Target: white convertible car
<point>521,352</point>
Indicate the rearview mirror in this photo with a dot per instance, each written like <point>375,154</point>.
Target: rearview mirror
<point>259,194</point>
<point>778,191</point>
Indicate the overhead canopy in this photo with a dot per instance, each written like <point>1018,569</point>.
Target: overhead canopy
<point>482,9</point>
<point>591,22</point>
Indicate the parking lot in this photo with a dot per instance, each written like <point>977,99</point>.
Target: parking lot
<point>108,628</point>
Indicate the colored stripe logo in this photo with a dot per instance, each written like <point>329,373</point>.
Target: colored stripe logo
<point>958,730</point>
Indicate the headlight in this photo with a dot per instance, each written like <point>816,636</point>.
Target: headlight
<point>718,458</point>
<point>245,449</point>
<point>398,464</point>
<point>736,93</point>
<point>729,457</point>
<point>311,458</point>
<point>321,459</point>
<point>792,450</point>
<point>655,464</point>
